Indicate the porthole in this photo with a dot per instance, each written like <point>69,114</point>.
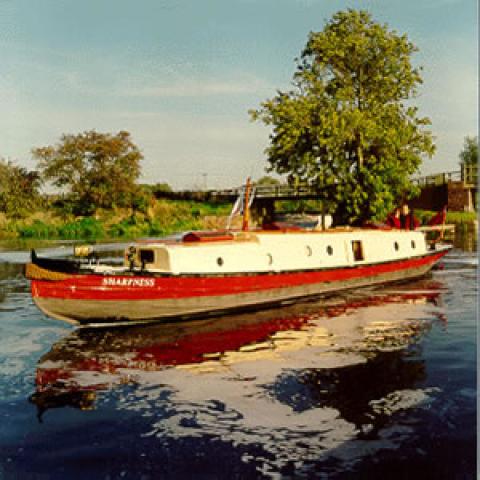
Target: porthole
<point>269,258</point>
<point>219,261</point>
<point>330,250</point>
<point>396,246</point>
<point>309,251</point>
<point>413,244</point>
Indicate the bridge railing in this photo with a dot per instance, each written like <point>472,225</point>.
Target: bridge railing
<point>277,191</point>
<point>468,174</point>
<point>438,179</point>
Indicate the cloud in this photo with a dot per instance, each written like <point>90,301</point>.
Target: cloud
<point>438,3</point>
<point>196,87</point>
<point>193,89</point>
<point>168,81</point>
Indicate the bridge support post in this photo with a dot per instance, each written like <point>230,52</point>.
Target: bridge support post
<point>460,197</point>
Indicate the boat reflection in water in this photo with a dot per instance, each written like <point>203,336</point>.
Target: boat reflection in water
<point>344,351</point>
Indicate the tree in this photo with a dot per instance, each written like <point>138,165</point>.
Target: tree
<point>98,170</point>
<point>159,190</point>
<point>469,154</point>
<point>267,181</point>
<point>19,189</point>
<point>345,127</point>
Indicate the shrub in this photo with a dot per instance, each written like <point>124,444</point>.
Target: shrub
<point>37,229</point>
<point>87,227</point>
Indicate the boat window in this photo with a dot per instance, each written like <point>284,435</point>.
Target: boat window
<point>146,256</point>
<point>309,251</point>
<point>396,246</point>
<point>413,244</point>
<point>270,258</point>
<point>330,250</point>
<point>220,261</point>
<point>357,250</point>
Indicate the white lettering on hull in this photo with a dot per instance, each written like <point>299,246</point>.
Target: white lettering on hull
<point>128,282</point>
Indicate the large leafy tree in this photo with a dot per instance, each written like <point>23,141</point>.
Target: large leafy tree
<point>347,127</point>
<point>19,189</point>
<point>96,170</point>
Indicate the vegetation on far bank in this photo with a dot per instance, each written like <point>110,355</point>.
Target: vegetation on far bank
<point>457,218</point>
<point>162,217</point>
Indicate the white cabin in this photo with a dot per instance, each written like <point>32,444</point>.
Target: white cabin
<point>263,251</point>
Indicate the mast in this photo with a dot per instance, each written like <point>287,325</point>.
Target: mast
<point>246,210</point>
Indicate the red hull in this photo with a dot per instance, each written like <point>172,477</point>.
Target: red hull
<point>132,288</point>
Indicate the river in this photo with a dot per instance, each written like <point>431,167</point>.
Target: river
<point>373,384</point>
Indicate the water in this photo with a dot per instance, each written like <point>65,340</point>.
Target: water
<point>374,384</point>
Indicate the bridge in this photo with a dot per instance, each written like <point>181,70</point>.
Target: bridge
<point>457,189</point>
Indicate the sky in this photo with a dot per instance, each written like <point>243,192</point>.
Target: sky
<point>181,76</point>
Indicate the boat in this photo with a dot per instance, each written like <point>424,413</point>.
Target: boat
<point>214,272</point>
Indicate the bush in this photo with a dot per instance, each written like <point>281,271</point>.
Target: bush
<point>131,227</point>
<point>155,229</point>
<point>38,229</point>
<point>141,201</point>
<point>87,227</point>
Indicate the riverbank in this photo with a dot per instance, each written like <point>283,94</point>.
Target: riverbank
<point>162,217</point>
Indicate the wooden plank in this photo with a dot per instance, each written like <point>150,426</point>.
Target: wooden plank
<point>436,228</point>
